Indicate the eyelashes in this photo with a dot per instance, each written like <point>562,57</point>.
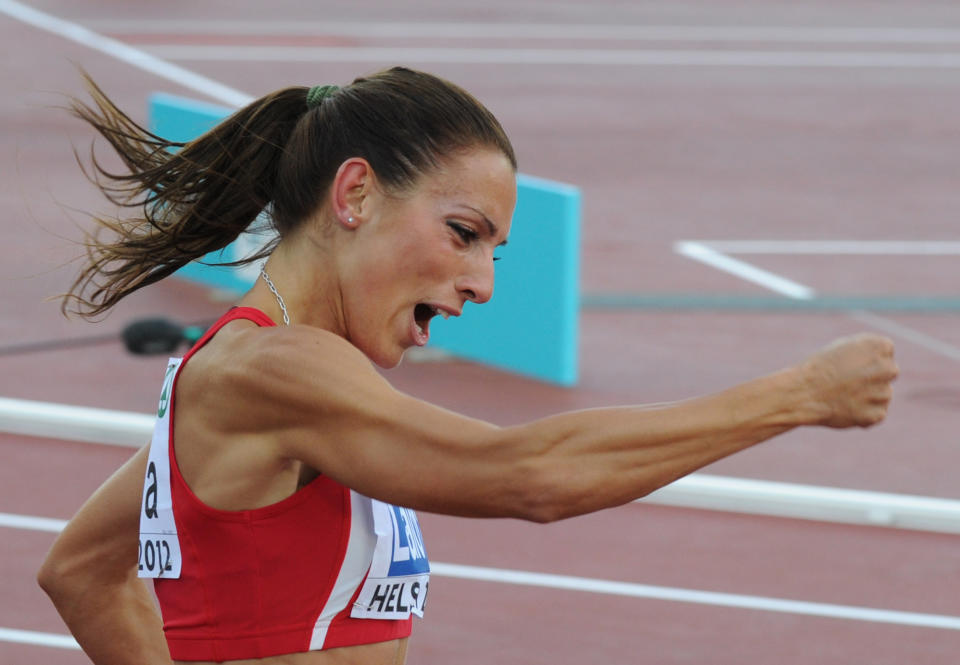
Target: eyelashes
<point>466,234</point>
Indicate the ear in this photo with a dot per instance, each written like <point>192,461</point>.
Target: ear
<point>351,187</point>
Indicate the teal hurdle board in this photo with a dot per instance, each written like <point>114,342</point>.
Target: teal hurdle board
<point>530,327</point>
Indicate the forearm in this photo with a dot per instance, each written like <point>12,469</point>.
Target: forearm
<point>90,575</point>
<point>115,624</point>
<point>568,464</point>
<point>589,460</point>
<point>396,448</point>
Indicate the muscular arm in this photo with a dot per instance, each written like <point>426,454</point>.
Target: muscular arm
<point>320,401</point>
<point>90,575</point>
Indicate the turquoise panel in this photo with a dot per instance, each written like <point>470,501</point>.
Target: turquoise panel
<point>531,324</point>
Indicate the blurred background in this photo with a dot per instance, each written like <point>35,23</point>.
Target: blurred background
<point>806,132</point>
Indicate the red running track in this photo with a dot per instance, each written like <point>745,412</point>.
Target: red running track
<point>661,154</point>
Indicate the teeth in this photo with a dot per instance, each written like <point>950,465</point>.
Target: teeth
<point>445,315</point>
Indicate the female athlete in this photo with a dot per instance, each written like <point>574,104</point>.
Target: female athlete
<point>275,502</point>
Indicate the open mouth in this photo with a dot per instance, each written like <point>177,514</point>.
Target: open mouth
<point>422,314</point>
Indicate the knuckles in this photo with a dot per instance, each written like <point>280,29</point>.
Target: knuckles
<point>856,376</point>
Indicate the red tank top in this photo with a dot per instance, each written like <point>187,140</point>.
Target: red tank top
<point>285,578</point>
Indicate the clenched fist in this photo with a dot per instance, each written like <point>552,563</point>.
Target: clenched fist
<point>850,381</point>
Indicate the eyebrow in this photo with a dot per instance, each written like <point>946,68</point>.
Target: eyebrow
<point>491,227</point>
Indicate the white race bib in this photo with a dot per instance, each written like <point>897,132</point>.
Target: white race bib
<point>159,545</point>
<point>400,573</point>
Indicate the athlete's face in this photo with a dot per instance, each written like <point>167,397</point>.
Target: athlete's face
<point>426,252</point>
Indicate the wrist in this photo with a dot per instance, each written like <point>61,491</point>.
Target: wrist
<point>806,399</point>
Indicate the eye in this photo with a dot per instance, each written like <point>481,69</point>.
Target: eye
<point>467,235</point>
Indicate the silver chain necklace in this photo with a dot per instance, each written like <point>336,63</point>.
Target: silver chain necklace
<point>273,290</point>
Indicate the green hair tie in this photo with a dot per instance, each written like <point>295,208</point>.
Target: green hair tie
<point>318,93</point>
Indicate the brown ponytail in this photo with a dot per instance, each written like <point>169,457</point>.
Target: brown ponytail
<point>274,151</point>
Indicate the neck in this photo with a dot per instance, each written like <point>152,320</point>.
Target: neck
<point>305,282</point>
<point>276,294</point>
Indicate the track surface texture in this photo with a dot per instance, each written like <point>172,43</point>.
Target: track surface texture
<point>817,121</point>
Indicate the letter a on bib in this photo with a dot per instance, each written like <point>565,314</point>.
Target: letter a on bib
<point>159,544</point>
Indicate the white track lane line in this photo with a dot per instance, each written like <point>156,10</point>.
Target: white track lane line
<point>556,57</point>
<point>701,252</point>
<point>526,31</point>
<point>924,340</point>
<point>708,252</point>
<point>132,56</point>
<point>841,247</point>
<point>38,639</point>
<point>618,588</point>
<point>31,523</point>
<point>765,604</point>
<point>633,590</point>
<point>75,423</point>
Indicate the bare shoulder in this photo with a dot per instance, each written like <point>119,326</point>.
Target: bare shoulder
<point>296,356</point>
<point>260,377</point>
<point>277,396</point>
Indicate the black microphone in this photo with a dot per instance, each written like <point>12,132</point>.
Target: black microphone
<point>155,336</point>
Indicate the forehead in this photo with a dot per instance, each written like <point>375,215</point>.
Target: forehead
<point>481,180</point>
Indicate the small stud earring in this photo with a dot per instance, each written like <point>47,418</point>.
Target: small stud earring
<point>350,221</point>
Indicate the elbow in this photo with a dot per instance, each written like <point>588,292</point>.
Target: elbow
<point>541,496</point>
<point>544,514</point>
<point>544,510</point>
<point>61,576</point>
<point>51,577</point>
<point>538,512</point>
<point>540,485</point>
<point>546,492</point>
<point>534,509</point>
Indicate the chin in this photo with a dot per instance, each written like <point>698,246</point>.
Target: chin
<point>389,364</point>
<point>382,354</point>
<point>386,359</point>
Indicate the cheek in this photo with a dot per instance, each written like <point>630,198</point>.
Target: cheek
<point>385,287</point>
<point>392,277</point>
<point>401,271</point>
<point>418,261</point>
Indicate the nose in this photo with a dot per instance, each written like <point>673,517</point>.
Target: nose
<point>476,284</point>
